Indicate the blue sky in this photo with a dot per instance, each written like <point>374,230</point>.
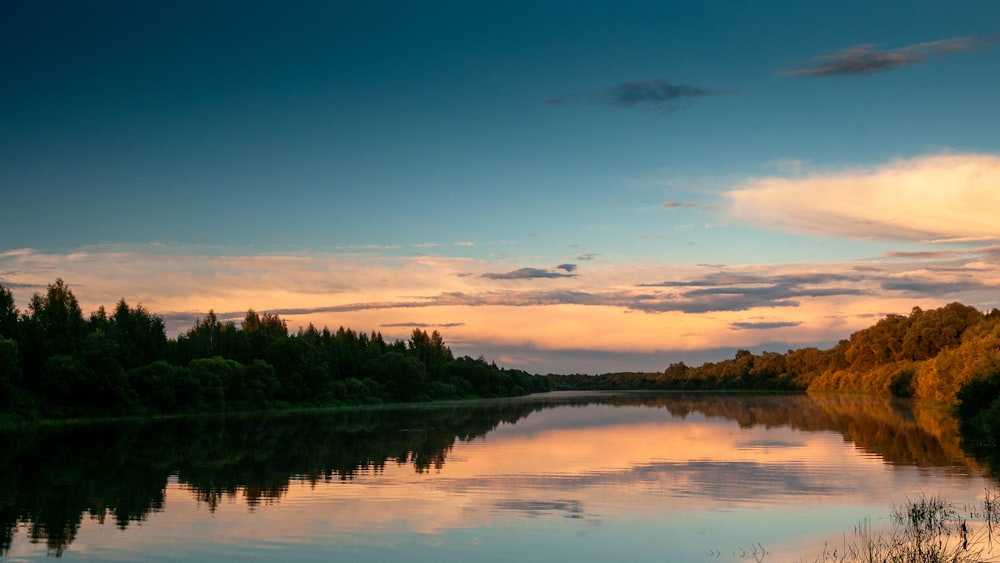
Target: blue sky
<point>559,186</point>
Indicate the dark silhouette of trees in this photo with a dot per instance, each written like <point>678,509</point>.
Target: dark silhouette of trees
<point>430,350</point>
<point>140,336</point>
<point>53,325</point>
<point>8,314</point>
<point>55,363</point>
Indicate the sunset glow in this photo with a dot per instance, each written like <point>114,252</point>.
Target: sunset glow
<point>593,199</point>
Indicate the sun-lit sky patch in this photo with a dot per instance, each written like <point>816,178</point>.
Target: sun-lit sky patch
<point>607,188</point>
<point>940,197</point>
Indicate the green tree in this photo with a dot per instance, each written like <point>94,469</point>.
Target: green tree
<point>10,364</point>
<point>10,373</point>
<point>402,377</point>
<point>431,351</point>
<point>475,372</point>
<point>156,385</point>
<point>8,314</point>
<point>208,338</point>
<point>261,331</point>
<point>53,324</point>
<point>139,335</point>
<point>220,380</point>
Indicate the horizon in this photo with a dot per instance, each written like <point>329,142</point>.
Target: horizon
<point>561,191</point>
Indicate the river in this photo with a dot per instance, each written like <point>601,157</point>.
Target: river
<point>552,477</point>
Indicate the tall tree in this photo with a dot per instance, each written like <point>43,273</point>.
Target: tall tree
<point>8,313</point>
<point>53,325</point>
<point>431,351</point>
<point>141,336</point>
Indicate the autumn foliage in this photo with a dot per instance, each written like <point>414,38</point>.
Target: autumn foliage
<point>926,354</point>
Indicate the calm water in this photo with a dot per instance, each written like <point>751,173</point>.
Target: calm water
<point>561,477</point>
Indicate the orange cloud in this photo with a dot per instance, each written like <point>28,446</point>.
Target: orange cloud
<point>949,196</point>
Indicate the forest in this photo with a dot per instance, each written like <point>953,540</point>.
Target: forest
<point>926,355</point>
<point>950,355</point>
<point>55,363</point>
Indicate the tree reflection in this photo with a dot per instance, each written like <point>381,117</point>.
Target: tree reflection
<point>52,476</point>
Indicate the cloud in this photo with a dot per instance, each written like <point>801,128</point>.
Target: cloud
<point>655,95</point>
<point>948,196</point>
<point>537,508</point>
<point>740,292</point>
<point>763,325</point>
<point>924,287</point>
<point>586,257</point>
<point>421,325</point>
<point>673,204</point>
<point>614,308</point>
<point>561,100</point>
<point>439,244</point>
<point>17,285</point>
<point>726,279</point>
<point>923,254</point>
<point>864,59</point>
<point>567,267</point>
<point>528,274</point>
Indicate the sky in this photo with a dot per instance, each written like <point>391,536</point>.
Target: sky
<point>558,187</point>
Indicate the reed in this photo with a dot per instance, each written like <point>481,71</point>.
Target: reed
<point>926,530</point>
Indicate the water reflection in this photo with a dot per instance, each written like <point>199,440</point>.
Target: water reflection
<point>433,467</point>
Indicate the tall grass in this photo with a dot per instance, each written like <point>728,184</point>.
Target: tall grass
<point>927,530</point>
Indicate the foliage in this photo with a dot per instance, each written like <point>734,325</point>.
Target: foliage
<point>56,363</point>
<point>927,355</point>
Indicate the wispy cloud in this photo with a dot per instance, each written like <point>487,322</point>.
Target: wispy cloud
<point>655,95</point>
<point>567,267</point>
<point>561,100</point>
<point>949,196</point>
<point>923,254</point>
<point>763,325</point>
<point>530,274</point>
<point>674,204</point>
<point>727,279</point>
<point>421,325</point>
<point>922,287</point>
<point>869,58</point>
<point>439,244</point>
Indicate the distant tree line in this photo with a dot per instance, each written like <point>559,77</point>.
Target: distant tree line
<point>950,354</point>
<point>56,362</point>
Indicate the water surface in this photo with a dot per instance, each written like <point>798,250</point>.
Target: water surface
<point>558,476</point>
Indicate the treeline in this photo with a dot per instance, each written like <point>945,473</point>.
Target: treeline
<point>926,354</point>
<point>950,354</point>
<point>55,362</point>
